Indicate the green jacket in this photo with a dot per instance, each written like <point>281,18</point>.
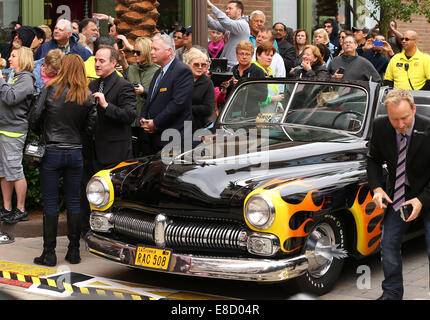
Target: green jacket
<point>141,73</point>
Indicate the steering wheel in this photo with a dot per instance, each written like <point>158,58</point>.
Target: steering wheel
<point>358,114</point>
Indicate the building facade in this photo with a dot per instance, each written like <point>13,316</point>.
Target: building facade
<point>307,14</point>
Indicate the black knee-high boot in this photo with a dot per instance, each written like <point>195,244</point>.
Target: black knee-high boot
<point>48,257</point>
<point>73,233</point>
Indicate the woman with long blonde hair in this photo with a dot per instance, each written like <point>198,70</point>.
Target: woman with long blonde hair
<point>64,113</point>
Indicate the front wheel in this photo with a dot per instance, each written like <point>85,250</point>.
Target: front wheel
<point>325,252</point>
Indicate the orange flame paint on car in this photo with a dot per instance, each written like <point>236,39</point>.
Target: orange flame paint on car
<point>368,219</point>
<point>291,237</point>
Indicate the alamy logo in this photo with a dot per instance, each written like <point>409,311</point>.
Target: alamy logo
<point>224,146</point>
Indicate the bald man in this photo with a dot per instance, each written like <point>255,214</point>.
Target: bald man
<point>409,69</point>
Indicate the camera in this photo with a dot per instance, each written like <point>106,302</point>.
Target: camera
<point>378,44</point>
<point>340,71</point>
<point>135,84</point>
<point>405,212</point>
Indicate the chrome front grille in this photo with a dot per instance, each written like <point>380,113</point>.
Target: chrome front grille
<point>134,225</point>
<point>204,235</point>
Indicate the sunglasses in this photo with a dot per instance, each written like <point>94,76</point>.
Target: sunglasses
<point>200,65</point>
<point>406,39</point>
<point>136,52</point>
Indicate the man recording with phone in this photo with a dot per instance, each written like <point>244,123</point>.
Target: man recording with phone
<point>409,69</point>
<point>378,52</point>
<point>399,140</point>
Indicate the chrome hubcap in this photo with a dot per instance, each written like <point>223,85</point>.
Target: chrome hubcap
<point>317,247</point>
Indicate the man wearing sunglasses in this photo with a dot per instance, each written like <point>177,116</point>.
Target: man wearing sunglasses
<point>409,69</point>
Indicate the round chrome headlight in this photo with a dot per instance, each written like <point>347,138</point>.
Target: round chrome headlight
<point>98,192</point>
<point>260,211</point>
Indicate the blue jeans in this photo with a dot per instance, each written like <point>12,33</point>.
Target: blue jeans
<point>58,163</point>
<point>391,251</point>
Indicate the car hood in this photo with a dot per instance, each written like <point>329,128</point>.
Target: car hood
<point>214,178</point>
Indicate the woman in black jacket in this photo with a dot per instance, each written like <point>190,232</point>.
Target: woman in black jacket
<point>204,92</point>
<point>312,65</point>
<point>64,112</point>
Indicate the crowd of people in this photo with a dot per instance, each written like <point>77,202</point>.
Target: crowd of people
<point>92,101</point>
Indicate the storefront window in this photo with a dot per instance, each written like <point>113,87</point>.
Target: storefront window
<point>171,11</point>
<point>9,14</point>
<point>324,9</point>
<point>66,9</point>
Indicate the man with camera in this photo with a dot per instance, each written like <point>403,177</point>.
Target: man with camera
<point>399,140</point>
<point>378,52</point>
<point>409,69</point>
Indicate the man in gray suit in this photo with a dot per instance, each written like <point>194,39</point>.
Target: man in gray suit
<point>233,24</point>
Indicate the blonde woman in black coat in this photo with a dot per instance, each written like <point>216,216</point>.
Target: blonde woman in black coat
<point>204,92</point>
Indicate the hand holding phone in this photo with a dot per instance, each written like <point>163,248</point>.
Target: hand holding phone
<point>406,211</point>
<point>411,209</point>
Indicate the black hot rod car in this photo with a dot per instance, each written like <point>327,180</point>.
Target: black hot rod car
<point>277,190</point>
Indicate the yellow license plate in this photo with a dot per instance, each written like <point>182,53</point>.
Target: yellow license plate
<point>152,258</point>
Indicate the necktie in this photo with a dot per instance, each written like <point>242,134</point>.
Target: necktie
<point>399,188</point>
<point>157,82</point>
<point>101,86</point>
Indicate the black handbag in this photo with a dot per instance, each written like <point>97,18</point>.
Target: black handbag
<point>34,151</point>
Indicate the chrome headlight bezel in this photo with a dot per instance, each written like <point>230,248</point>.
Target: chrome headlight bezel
<point>263,219</point>
<point>105,195</point>
<point>101,221</point>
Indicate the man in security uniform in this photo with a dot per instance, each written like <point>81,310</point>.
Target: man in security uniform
<point>409,69</point>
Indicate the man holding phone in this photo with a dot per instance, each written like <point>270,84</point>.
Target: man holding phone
<point>400,141</point>
<point>378,52</point>
<point>350,66</point>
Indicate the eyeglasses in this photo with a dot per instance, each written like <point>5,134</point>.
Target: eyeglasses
<point>406,39</point>
<point>244,54</point>
<point>200,65</point>
<point>136,52</point>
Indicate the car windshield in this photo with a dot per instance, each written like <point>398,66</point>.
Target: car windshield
<point>326,105</point>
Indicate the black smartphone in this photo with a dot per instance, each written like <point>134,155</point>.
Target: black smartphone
<point>340,71</point>
<point>405,212</point>
<point>120,44</point>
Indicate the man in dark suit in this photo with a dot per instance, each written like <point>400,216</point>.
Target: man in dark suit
<point>169,103</point>
<point>402,143</point>
<point>116,110</point>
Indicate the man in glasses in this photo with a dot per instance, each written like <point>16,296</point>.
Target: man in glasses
<point>409,69</point>
<point>285,48</point>
<point>187,43</point>
<point>332,29</point>
<point>361,36</point>
<point>351,66</point>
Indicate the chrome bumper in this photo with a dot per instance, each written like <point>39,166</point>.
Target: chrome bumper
<point>251,269</point>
